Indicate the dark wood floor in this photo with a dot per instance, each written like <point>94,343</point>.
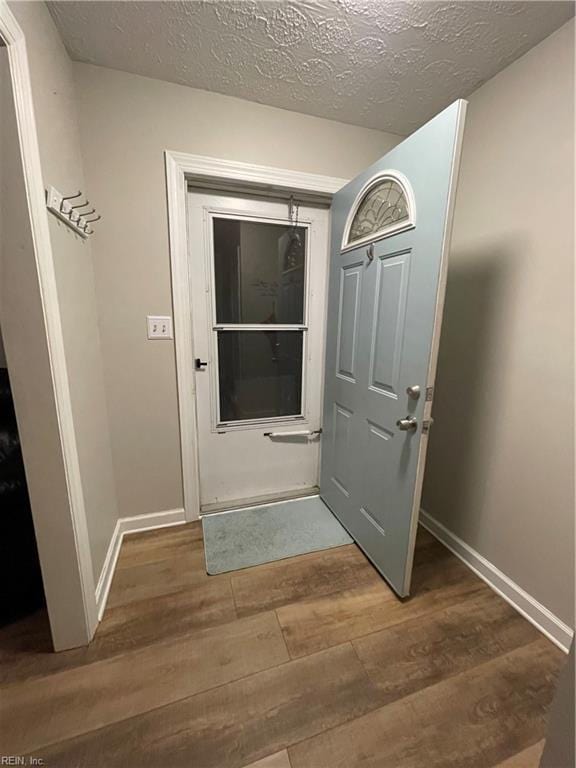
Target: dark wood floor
<point>310,662</point>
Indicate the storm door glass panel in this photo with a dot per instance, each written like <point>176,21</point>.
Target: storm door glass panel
<point>260,374</point>
<point>259,272</point>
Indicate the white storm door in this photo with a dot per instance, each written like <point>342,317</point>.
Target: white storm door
<point>258,282</point>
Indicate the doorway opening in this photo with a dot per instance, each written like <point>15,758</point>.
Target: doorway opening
<point>23,591</point>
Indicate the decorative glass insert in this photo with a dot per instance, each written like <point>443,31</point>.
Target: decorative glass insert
<point>383,206</point>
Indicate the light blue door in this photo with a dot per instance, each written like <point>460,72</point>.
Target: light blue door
<point>390,239</point>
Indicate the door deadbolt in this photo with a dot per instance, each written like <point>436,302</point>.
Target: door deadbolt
<point>409,424</point>
<point>413,392</point>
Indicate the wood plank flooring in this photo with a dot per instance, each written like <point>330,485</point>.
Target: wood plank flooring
<point>310,662</point>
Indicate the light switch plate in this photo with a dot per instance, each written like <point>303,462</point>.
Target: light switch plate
<point>159,327</point>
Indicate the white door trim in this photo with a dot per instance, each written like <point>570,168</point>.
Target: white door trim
<point>180,169</point>
<point>77,557</point>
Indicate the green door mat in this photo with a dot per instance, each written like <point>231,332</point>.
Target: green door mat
<point>255,535</point>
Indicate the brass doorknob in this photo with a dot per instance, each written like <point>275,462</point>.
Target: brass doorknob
<point>409,424</point>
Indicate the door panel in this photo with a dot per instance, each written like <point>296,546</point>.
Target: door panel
<point>346,276</point>
<point>376,448</point>
<point>384,308</point>
<point>350,289</point>
<point>388,324</point>
<point>342,423</point>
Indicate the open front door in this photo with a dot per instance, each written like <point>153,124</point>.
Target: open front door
<point>390,239</point>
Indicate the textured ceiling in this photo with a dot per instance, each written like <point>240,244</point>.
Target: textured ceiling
<point>381,64</point>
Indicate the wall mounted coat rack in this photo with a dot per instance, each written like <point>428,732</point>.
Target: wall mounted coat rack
<point>74,210</point>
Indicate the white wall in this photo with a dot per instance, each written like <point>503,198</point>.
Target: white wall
<point>56,119</point>
<point>501,459</point>
<point>126,123</point>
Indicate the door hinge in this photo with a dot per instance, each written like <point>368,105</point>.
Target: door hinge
<point>429,394</point>
<point>426,424</point>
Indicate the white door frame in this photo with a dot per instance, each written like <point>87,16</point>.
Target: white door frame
<point>66,560</point>
<point>181,168</point>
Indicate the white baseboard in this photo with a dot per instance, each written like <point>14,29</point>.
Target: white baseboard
<point>149,522</point>
<point>536,613</point>
<point>125,525</point>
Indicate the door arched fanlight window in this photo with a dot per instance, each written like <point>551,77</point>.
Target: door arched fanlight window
<point>384,207</point>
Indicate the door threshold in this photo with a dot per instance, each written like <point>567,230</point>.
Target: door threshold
<point>254,501</point>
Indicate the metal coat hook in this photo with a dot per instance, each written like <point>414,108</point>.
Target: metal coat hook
<point>83,205</point>
<point>83,221</point>
<point>69,197</point>
<point>86,222</point>
<point>72,215</point>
